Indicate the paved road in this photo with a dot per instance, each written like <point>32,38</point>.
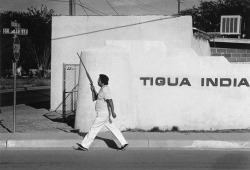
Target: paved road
<point>130,159</point>
<point>25,96</point>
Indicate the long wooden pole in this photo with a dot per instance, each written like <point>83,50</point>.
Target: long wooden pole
<point>90,80</point>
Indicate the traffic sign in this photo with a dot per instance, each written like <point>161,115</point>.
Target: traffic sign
<point>17,31</point>
<point>15,24</point>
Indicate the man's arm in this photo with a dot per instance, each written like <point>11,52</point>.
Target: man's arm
<point>94,93</point>
<point>111,106</point>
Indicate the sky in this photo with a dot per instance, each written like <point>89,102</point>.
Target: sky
<point>102,7</point>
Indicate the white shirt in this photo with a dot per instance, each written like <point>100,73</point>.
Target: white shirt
<point>103,95</point>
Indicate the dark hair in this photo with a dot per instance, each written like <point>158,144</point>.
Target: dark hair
<point>104,79</point>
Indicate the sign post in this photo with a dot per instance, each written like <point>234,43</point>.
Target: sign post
<point>16,30</point>
<point>16,53</point>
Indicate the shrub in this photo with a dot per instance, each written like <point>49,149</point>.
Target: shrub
<point>155,129</point>
<point>175,129</point>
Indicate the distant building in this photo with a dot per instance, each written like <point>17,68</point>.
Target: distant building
<point>233,40</point>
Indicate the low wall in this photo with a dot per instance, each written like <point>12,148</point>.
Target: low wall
<point>155,85</point>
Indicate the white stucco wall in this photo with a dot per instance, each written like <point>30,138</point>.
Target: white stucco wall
<point>197,106</point>
<point>152,46</point>
<point>72,34</point>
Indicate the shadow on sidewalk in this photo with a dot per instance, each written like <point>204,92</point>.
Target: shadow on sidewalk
<point>58,117</point>
<point>110,143</point>
<point>6,128</point>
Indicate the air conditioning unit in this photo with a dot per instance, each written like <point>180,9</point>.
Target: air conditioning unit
<point>230,25</point>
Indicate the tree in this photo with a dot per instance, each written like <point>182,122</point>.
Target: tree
<point>35,47</point>
<point>41,36</point>
<point>207,15</point>
<point>7,42</point>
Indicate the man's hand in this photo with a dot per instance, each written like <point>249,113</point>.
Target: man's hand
<point>111,107</point>
<point>92,87</point>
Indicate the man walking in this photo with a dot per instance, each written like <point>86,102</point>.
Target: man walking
<point>104,107</point>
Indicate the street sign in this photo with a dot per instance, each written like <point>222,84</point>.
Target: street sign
<point>15,24</point>
<point>17,31</point>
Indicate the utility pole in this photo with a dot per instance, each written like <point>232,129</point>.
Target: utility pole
<point>72,7</point>
<point>179,5</point>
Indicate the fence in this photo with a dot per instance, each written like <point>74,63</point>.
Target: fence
<point>70,88</point>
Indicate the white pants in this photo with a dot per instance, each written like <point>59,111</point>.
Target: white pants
<point>102,119</point>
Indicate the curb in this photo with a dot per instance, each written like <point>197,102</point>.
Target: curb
<point>221,144</point>
<point>39,143</point>
<point>3,140</point>
<point>41,140</point>
<point>135,139</point>
<point>167,144</point>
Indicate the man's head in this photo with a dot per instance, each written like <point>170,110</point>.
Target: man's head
<point>103,79</point>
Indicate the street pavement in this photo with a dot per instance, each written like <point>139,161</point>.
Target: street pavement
<point>40,128</point>
<point>132,159</point>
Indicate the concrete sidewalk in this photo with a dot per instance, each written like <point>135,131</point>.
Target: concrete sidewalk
<point>135,139</point>
<point>40,128</point>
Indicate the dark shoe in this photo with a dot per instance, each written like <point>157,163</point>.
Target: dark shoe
<point>81,147</point>
<point>124,147</point>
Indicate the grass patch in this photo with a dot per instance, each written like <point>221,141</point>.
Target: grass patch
<point>21,83</point>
